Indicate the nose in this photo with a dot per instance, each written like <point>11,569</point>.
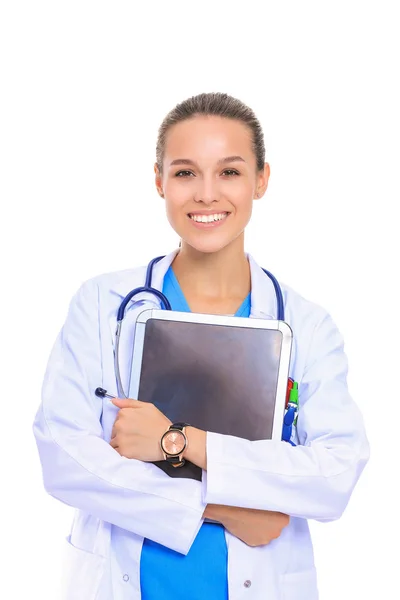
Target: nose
<point>207,190</point>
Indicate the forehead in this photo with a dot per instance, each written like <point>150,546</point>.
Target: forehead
<point>208,137</point>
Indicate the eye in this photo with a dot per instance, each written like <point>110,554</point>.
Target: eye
<point>230,172</point>
<point>184,174</point>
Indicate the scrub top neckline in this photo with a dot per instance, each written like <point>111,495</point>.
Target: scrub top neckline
<point>242,310</point>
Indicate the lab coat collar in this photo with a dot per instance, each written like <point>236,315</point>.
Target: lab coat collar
<point>161,268</point>
<point>263,297</point>
<point>136,279</point>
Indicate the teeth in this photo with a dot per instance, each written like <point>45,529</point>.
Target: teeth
<point>208,218</point>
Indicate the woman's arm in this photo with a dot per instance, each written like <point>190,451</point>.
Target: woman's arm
<point>80,468</point>
<point>196,451</point>
<point>313,480</point>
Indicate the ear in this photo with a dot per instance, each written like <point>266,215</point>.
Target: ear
<point>262,181</point>
<point>158,180</point>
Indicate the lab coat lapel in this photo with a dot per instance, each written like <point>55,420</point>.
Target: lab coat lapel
<point>263,297</point>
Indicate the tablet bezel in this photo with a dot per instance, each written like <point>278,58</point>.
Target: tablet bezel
<point>230,321</point>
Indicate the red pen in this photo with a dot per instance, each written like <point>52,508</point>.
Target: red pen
<point>289,388</point>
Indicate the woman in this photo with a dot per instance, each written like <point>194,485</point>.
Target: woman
<point>138,533</point>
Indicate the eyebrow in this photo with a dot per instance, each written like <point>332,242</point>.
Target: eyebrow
<point>227,159</point>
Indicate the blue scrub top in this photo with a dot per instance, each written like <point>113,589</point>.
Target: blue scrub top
<point>203,572</point>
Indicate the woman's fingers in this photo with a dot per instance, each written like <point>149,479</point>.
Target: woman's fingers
<point>126,403</point>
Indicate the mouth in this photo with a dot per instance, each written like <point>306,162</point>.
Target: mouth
<point>208,220</point>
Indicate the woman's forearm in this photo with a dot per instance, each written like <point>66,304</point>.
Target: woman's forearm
<point>196,449</point>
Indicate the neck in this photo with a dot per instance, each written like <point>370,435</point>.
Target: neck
<point>222,274</point>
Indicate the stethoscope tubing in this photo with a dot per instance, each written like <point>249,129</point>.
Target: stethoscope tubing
<point>165,304</point>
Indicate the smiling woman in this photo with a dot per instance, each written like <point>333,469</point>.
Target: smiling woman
<point>138,533</point>
<point>210,164</point>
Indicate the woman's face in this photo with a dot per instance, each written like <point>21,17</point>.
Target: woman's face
<point>209,181</point>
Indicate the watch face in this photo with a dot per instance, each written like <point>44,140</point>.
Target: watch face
<point>173,442</point>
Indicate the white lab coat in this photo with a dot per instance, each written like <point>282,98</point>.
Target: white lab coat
<point>120,499</point>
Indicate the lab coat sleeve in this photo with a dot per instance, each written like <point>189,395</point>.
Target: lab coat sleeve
<point>80,468</point>
<point>315,479</point>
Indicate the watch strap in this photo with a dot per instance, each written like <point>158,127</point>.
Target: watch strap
<point>179,426</point>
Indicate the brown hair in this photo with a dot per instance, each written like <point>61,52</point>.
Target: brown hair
<point>213,104</point>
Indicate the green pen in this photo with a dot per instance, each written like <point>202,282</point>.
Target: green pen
<point>294,394</point>
<point>294,398</point>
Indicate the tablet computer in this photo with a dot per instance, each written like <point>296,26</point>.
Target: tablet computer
<point>219,373</point>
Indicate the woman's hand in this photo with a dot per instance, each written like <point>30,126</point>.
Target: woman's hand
<point>253,527</point>
<point>138,429</point>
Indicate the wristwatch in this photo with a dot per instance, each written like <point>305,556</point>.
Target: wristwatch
<point>173,444</point>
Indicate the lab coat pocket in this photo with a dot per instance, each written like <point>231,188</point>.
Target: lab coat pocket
<point>82,573</point>
<point>299,586</point>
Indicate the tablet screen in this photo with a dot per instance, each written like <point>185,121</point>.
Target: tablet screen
<point>217,378</point>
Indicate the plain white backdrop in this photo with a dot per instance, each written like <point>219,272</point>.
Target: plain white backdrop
<point>85,86</point>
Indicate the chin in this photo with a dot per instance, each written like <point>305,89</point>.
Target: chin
<point>208,246</point>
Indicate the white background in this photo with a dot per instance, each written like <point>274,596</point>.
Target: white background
<point>85,86</point>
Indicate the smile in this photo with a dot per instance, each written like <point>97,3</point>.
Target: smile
<point>208,218</point>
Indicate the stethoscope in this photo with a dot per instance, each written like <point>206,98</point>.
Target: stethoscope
<point>148,289</point>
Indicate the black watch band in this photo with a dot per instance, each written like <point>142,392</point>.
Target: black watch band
<point>179,426</point>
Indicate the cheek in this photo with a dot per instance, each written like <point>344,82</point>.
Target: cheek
<point>176,216</point>
<point>176,196</point>
<point>241,196</point>
<point>242,189</point>
<point>173,209</point>
<point>177,190</point>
